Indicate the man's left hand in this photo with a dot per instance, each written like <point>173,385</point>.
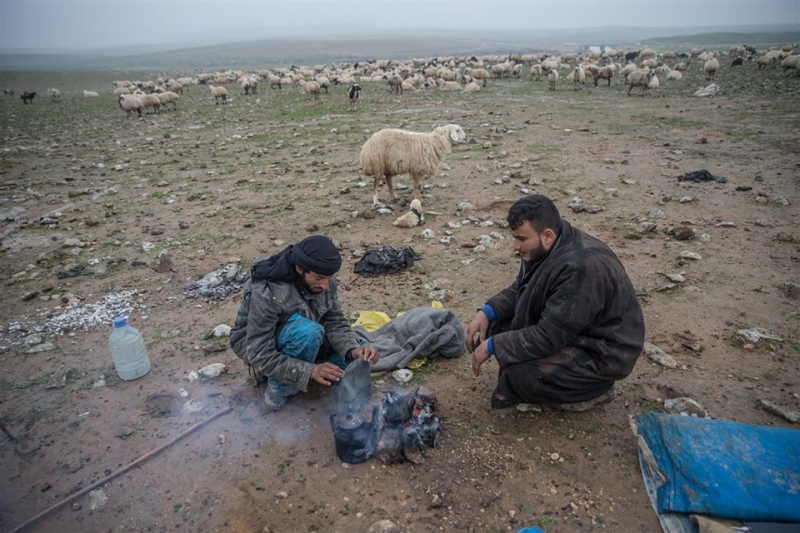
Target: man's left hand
<point>367,352</point>
<point>480,356</point>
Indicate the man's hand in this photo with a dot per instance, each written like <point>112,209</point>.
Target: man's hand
<point>326,373</point>
<point>480,356</point>
<point>367,352</point>
<point>479,324</point>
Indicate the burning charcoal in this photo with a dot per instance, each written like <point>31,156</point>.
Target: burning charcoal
<point>428,430</point>
<point>412,445</point>
<point>390,446</point>
<point>398,407</point>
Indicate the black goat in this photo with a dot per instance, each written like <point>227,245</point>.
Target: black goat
<point>27,97</point>
<point>738,62</point>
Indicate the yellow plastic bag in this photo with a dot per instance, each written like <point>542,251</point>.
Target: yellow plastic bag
<point>371,320</point>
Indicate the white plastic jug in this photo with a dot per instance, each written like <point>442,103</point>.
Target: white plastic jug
<point>127,350</point>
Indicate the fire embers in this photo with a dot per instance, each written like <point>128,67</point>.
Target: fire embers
<point>409,426</point>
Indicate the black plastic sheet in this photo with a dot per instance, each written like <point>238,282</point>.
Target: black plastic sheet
<point>385,260</point>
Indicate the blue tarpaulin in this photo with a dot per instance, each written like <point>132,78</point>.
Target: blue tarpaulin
<point>720,468</point>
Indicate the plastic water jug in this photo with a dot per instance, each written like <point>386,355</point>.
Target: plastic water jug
<point>128,350</point>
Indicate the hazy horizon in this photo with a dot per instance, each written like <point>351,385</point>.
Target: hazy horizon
<point>74,25</point>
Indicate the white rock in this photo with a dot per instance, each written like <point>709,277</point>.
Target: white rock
<point>147,246</point>
<point>39,348</point>
<point>756,334</point>
<point>427,233</point>
<point>222,330</point>
<point>685,407</point>
<point>690,255</point>
<point>193,376</point>
<point>193,406</point>
<point>402,375</point>
<point>97,499</point>
<point>212,371</point>
<point>658,355</point>
<point>184,393</point>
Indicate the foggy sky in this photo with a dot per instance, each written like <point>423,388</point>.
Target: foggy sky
<point>73,24</point>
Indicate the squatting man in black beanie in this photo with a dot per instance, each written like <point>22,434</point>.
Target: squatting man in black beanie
<point>290,327</point>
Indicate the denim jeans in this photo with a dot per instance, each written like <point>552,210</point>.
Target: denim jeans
<point>302,339</point>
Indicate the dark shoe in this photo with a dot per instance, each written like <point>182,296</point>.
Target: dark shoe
<point>500,401</point>
<point>273,401</point>
<point>578,407</point>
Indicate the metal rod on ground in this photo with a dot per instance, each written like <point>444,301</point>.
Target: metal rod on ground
<point>10,436</point>
<point>123,469</point>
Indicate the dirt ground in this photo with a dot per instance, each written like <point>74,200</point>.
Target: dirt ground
<point>213,185</point>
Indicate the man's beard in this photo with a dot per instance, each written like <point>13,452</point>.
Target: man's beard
<point>537,253</point>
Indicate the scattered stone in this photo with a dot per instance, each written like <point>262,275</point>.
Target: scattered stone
<point>554,456</point>
<point>281,495</point>
<point>528,408</point>
<point>164,263</point>
<point>368,213</point>
<point>657,214</point>
<point>59,378</point>
<point>659,356</point>
<point>183,393</point>
<point>726,224</point>
<point>402,375</point>
<point>212,371</point>
<point>192,406</point>
<point>123,432</point>
<point>30,296</point>
<point>685,407</point>
<point>383,526</point>
<point>676,278</point>
<point>690,255</point>
<point>754,335</point>
<point>147,246</point>
<point>221,330</point>
<point>683,233</point>
<point>441,295</point>
<point>97,499</point>
<point>192,376</point>
<point>99,383</point>
<point>785,237</point>
<point>39,348</point>
<point>427,233</point>
<point>76,506</point>
<point>791,416</point>
<point>217,285</point>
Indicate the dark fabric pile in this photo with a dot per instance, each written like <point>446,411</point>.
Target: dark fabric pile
<point>701,176</point>
<point>217,285</point>
<point>385,261</point>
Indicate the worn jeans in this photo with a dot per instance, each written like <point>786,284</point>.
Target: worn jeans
<point>302,339</point>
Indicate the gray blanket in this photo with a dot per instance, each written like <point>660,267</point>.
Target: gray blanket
<point>419,332</point>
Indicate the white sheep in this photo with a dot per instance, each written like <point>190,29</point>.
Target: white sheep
<point>273,81</point>
<point>552,78</point>
<point>310,88</point>
<point>391,152</point>
<point>168,97</point>
<point>130,103</point>
<point>627,69</point>
<point>472,87</point>
<point>175,86</point>
<point>90,94</point>
<point>152,101</point>
<point>639,78</point>
<point>413,218</point>
<point>54,93</point>
<point>536,72</point>
<point>674,75</point>
<point>249,85</point>
<point>481,74</point>
<point>791,62</point>
<point>219,93</point>
<point>448,85</point>
<point>324,82</point>
<point>711,67</point>
<point>601,73</point>
<point>578,77</point>
<point>121,90</point>
<point>654,83</point>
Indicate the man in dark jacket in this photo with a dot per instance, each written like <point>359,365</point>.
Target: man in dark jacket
<point>568,327</point>
<point>290,327</point>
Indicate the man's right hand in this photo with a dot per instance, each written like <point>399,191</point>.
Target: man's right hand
<point>479,324</point>
<point>326,374</point>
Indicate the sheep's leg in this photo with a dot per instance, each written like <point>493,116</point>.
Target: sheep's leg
<point>391,188</point>
<point>375,185</point>
<point>416,192</point>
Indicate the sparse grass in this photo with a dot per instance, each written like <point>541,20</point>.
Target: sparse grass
<point>22,385</point>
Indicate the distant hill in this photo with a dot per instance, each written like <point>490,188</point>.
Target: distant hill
<point>327,45</point>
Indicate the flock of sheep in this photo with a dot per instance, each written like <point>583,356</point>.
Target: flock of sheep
<point>393,152</point>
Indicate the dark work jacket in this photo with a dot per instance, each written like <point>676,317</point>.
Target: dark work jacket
<point>574,312</point>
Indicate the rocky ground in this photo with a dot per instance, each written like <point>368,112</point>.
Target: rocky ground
<point>103,213</point>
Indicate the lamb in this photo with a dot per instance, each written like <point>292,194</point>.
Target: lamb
<point>395,83</point>
<point>674,75</point>
<point>90,94</point>
<point>413,218</point>
<point>578,77</point>
<point>219,93</point>
<point>249,85</point>
<point>391,152</point>
<point>639,78</point>
<point>448,85</point>
<point>552,77</point>
<point>168,97</point>
<point>711,67</point>
<point>536,72</point>
<point>601,73</point>
<point>27,97</point>
<point>130,103</point>
<point>352,95</point>
<point>472,87</point>
<point>54,93</point>
<point>654,83</point>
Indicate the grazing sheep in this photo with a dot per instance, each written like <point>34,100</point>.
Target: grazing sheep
<point>413,218</point>
<point>310,88</point>
<point>552,78</point>
<point>274,80</point>
<point>219,93</point>
<point>128,103</point>
<point>481,74</point>
<point>175,86</point>
<point>352,95</point>
<point>681,67</point>
<point>472,87</point>
<point>90,94</point>
<point>121,90</point>
<point>249,85</point>
<point>791,62</point>
<point>738,62</point>
<point>395,83</point>
<point>601,73</point>
<point>8,92</point>
<point>711,67</point>
<point>639,78</point>
<point>392,152</point>
<point>654,83</point>
<point>151,101</point>
<point>578,77</point>
<point>536,72</point>
<point>27,97</point>
<point>168,97</point>
<point>674,75</point>
<point>324,83</point>
<point>448,85</point>
<point>54,93</point>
